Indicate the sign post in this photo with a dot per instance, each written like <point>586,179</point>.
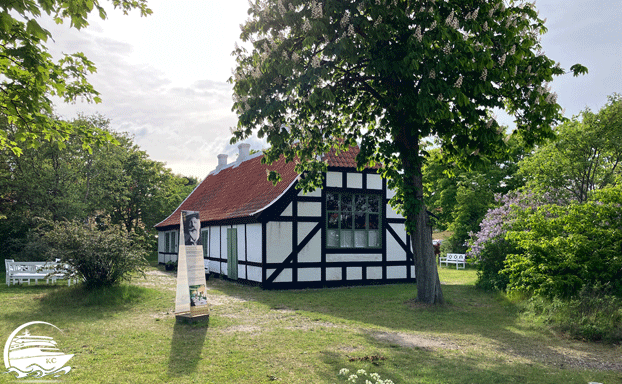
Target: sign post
<point>191,300</point>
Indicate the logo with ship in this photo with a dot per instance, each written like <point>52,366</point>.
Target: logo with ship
<point>33,353</point>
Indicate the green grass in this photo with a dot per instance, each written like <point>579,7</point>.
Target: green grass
<point>128,334</point>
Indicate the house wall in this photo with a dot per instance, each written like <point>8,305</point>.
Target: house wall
<point>296,252</point>
<point>287,247</point>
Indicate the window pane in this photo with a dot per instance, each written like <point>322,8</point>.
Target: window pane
<point>360,203</point>
<point>374,203</point>
<point>346,239</point>
<point>346,221</point>
<point>333,220</point>
<point>332,238</point>
<point>346,203</point>
<point>360,239</point>
<point>374,240</point>
<point>167,240</point>
<point>359,221</point>
<point>374,221</point>
<point>332,202</point>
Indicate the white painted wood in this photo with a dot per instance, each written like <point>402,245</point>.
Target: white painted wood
<point>395,252</point>
<point>284,277</point>
<point>214,266</point>
<point>339,257</point>
<point>254,274</point>
<point>396,272</point>
<point>253,233</point>
<point>354,180</point>
<point>278,241</point>
<point>390,193</point>
<point>333,179</point>
<point>315,193</point>
<point>374,273</point>
<point>304,229</point>
<point>312,252</point>
<point>354,273</point>
<point>309,274</point>
<point>306,208</point>
<point>241,271</point>
<point>391,214</point>
<point>288,211</point>
<point>333,274</point>
<point>241,243</point>
<point>374,181</point>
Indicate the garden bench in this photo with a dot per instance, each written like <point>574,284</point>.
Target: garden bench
<point>24,271</point>
<point>453,258</point>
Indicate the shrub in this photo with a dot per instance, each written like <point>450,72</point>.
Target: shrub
<point>566,248</point>
<point>594,314</point>
<point>489,247</point>
<point>100,254</point>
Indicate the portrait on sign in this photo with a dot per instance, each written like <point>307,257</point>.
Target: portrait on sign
<point>192,228</point>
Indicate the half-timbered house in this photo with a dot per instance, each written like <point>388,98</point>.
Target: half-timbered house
<point>277,236</point>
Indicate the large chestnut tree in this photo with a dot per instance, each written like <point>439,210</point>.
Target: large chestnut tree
<point>387,74</point>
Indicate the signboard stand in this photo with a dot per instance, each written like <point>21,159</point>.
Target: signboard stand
<point>191,300</point>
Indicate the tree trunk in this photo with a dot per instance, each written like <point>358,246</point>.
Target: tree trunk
<point>417,220</point>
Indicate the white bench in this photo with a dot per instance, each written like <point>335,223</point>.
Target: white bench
<point>453,258</point>
<point>24,271</point>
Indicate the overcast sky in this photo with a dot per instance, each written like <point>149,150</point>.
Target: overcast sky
<point>163,78</point>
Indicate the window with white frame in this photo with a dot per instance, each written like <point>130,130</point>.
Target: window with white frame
<point>353,220</point>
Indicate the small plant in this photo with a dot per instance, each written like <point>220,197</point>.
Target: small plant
<point>170,265</point>
<point>361,376</point>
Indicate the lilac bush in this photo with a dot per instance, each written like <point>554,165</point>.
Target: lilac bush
<point>489,246</point>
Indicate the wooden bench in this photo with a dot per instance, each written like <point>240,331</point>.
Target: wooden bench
<point>453,258</point>
<point>18,272</point>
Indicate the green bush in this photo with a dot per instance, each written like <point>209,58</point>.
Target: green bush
<point>593,314</point>
<point>491,262</point>
<point>100,254</point>
<point>567,248</point>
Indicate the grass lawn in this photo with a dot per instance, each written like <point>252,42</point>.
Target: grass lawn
<point>128,334</point>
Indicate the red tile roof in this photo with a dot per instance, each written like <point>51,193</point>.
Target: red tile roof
<point>235,191</point>
<point>242,190</point>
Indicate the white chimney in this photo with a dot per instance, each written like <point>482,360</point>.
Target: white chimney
<point>245,150</point>
<point>222,161</point>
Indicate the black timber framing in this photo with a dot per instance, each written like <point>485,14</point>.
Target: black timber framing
<point>273,214</point>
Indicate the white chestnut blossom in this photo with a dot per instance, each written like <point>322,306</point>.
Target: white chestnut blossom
<point>306,26</point>
<point>485,26</point>
<point>315,63</point>
<point>418,34</point>
<point>432,74</point>
<point>484,74</point>
<point>345,20</point>
<point>316,10</point>
<point>458,83</point>
<point>502,60</point>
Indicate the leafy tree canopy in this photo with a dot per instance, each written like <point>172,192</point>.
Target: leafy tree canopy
<point>30,76</point>
<point>387,74</point>
<point>585,156</point>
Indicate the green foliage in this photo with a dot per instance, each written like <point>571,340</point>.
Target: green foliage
<point>100,254</point>
<point>30,76</point>
<point>492,261</point>
<point>584,157</point>
<point>566,248</point>
<point>593,314</point>
<point>119,181</point>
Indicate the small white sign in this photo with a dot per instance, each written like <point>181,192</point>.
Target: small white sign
<point>29,354</point>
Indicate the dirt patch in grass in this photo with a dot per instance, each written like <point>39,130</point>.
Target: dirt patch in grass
<point>409,340</point>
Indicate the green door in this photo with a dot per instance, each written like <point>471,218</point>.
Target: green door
<point>232,253</point>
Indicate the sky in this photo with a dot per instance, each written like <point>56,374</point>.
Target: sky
<point>163,78</point>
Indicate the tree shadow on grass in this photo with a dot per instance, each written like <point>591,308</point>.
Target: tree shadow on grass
<point>186,347</point>
<point>62,305</point>
<point>469,312</point>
